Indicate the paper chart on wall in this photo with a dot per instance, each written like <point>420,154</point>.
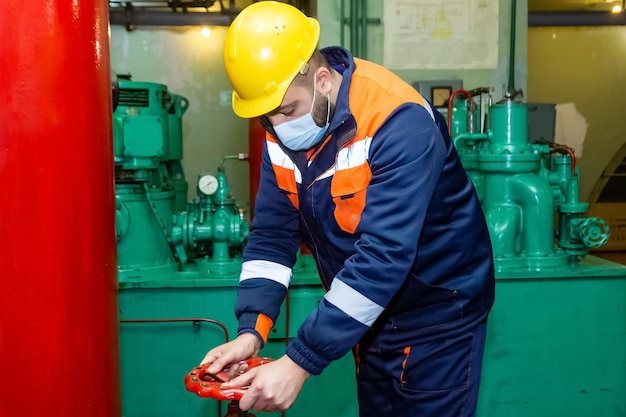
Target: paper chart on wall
<point>441,34</point>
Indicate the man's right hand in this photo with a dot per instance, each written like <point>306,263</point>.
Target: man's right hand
<point>243,347</point>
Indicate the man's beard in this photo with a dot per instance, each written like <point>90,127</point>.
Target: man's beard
<point>320,111</point>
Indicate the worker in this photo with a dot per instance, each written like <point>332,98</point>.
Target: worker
<point>359,167</point>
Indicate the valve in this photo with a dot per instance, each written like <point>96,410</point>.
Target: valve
<point>593,231</point>
<point>204,384</point>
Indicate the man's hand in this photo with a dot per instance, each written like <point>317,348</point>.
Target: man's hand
<point>243,347</point>
<point>273,386</point>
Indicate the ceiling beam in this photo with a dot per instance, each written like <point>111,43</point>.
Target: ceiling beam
<point>134,18</point>
<point>540,19</point>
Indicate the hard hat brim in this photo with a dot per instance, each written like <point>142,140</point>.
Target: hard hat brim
<point>248,109</point>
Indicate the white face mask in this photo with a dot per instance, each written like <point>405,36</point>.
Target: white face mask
<point>303,133</point>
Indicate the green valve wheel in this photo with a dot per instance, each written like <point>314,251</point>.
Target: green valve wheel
<point>593,232</point>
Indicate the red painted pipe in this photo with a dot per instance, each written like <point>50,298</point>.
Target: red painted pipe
<point>59,352</point>
<point>256,142</point>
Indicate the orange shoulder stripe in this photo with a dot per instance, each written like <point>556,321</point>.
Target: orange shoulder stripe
<point>372,83</point>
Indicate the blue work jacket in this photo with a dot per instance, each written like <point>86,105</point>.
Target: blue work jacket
<point>389,214</point>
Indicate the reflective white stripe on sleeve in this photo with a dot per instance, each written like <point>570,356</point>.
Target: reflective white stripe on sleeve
<point>353,303</point>
<point>266,269</point>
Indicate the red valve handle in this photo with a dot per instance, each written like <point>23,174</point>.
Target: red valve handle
<point>204,384</point>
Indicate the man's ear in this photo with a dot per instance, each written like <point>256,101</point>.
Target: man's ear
<point>324,78</point>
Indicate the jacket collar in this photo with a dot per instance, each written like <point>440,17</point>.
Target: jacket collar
<point>343,124</point>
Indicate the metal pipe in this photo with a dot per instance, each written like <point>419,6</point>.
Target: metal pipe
<point>363,21</point>
<point>342,23</point>
<point>193,320</point>
<point>152,18</point>
<point>511,87</point>
<point>533,194</point>
<point>354,34</point>
<point>542,19</point>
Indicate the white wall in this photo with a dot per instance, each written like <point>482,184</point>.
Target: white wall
<point>585,66</point>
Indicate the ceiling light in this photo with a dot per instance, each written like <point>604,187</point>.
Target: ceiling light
<point>618,8</point>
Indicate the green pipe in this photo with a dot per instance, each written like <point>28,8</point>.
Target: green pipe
<point>342,23</point>
<point>504,222</point>
<point>461,138</point>
<point>511,88</point>
<point>354,45</point>
<point>363,28</point>
<point>534,196</point>
<point>509,124</point>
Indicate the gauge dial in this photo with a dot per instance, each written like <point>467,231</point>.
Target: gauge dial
<point>207,184</point>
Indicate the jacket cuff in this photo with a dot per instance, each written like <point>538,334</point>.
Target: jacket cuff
<point>306,358</point>
<point>257,323</point>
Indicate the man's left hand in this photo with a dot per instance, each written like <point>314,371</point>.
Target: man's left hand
<point>272,387</point>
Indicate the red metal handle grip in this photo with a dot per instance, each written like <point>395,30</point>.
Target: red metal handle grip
<point>204,384</point>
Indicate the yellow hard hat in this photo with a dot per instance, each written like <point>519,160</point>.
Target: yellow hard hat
<point>266,46</point>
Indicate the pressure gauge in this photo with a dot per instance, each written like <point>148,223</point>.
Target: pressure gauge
<point>207,184</point>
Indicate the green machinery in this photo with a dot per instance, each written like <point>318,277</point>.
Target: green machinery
<point>157,230</point>
<point>523,187</point>
<point>557,334</point>
<point>556,343</point>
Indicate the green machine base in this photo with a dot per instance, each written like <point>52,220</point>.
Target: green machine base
<point>556,344</point>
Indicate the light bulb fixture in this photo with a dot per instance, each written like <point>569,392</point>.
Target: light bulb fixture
<point>619,8</point>
<point>206,32</point>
